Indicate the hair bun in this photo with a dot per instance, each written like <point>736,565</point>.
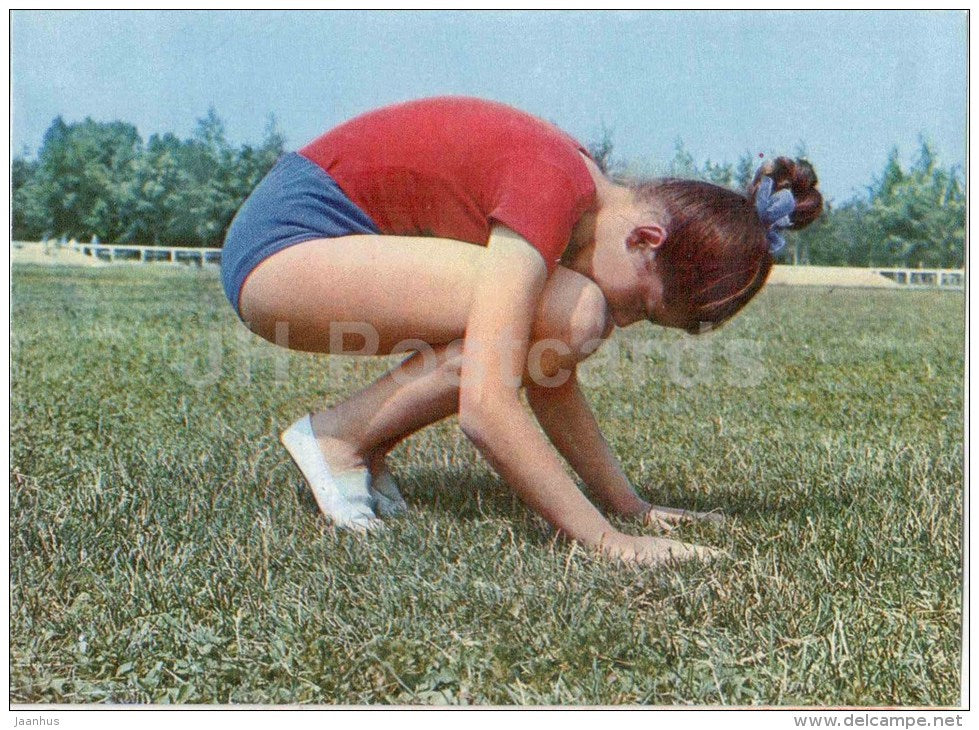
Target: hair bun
<point>799,177</point>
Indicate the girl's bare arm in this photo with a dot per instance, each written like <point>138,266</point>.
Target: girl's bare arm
<point>566,417</point>
<point>504,305</point>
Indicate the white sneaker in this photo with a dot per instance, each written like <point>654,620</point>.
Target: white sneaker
<point>387,498</point>
<point>343,497</point>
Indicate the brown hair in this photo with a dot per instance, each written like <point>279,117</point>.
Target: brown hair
<point>715,257</point>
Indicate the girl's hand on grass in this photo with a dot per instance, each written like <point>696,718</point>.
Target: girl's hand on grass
<point>666,519</point>
<point>655,551</point>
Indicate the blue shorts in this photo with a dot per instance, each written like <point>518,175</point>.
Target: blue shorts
<point>297,201</point>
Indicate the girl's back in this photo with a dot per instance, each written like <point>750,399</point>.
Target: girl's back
<point>450,167</point>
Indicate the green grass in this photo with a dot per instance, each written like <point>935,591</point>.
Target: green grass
<point>163,549</point>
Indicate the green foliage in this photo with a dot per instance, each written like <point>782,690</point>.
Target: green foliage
<point>683,165</point>
<point>27,214</point>
<point>841,237</point>
<point>920,213</point>
<point>99,179</point>
<point>744,172</point>
<point>163,549</point>
<point>79,182</point>
<point>719,173</point>
<point>601,150</point>
<point>910,217</point>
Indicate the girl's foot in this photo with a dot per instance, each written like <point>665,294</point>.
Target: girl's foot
<point>340,485</point>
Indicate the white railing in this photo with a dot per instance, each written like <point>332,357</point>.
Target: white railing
<point>930,278</point>
<point>144,254</point>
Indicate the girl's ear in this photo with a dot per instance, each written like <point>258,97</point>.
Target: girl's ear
<point>646,237</point>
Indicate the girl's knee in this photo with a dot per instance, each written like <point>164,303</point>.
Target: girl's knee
<point>573,311</point>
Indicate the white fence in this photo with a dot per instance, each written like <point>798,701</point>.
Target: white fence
<point>145,254</point>
<point>72,252</point>
<point>941,278</point>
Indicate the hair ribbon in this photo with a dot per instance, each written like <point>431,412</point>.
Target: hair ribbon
<point>775,211</point>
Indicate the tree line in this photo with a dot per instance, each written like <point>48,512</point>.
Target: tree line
<point>100,179</point>
<point>97,179</point>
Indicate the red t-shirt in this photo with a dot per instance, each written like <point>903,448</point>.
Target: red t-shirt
<point>451,166</point>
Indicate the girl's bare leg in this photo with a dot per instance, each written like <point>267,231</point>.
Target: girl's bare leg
<point>363,428</point>
<point>421,297</point>
<point>367,294</point>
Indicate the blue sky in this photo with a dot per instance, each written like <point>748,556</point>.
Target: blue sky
<point>849,85</point>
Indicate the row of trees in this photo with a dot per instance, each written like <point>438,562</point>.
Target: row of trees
<point>97,179</point>
<point>100,179</point>
<point>910,216</point>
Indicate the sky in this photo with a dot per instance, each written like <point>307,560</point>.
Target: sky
<point>850,86</point>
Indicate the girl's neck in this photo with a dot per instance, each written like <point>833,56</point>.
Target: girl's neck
<point>611,199</point>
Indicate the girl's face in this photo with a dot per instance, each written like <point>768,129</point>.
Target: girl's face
<point>624,267</point>
<point>628,233</point>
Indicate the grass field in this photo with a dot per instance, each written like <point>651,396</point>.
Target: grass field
<point>162,548</point>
